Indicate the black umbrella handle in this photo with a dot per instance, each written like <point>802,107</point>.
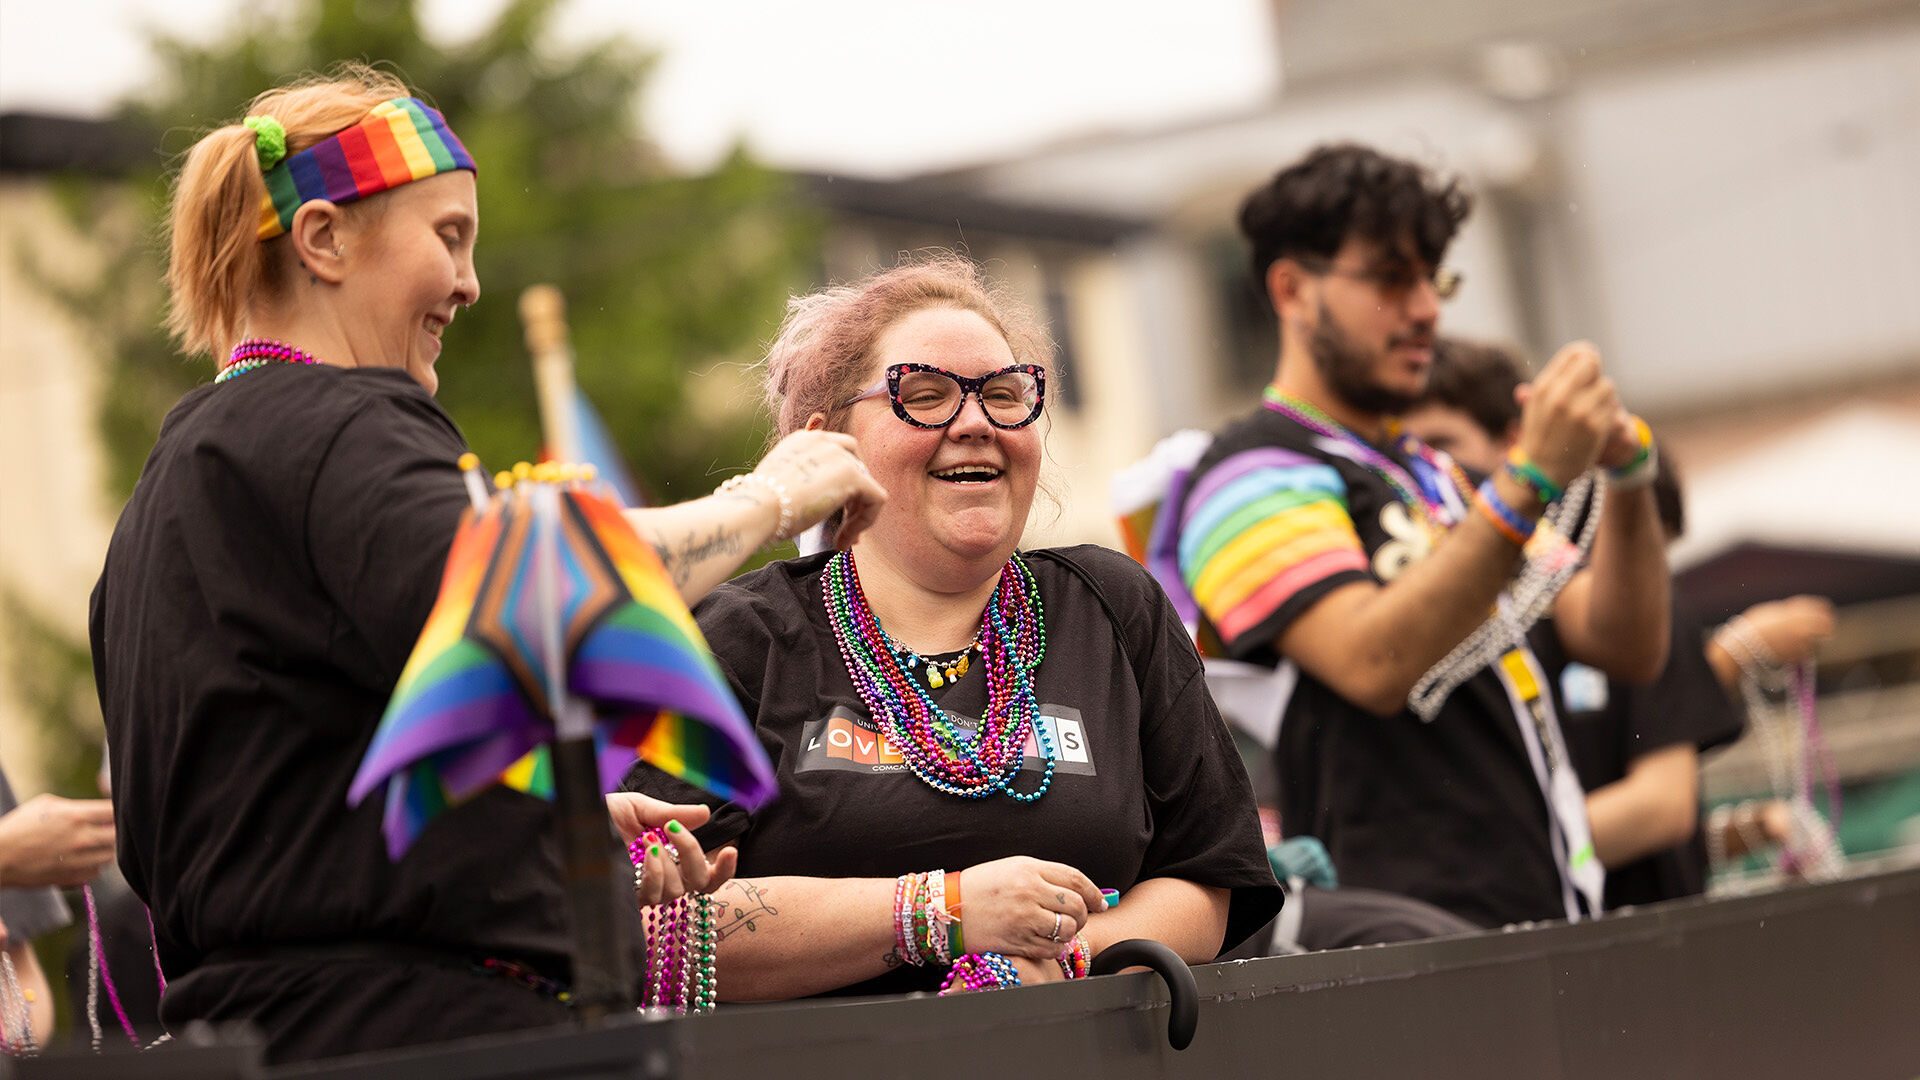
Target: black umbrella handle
<point>1184,996</point>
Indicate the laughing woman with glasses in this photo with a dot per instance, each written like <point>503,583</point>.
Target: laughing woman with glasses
<point>974,742</point>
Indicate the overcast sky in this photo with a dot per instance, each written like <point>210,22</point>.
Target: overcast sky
<point>867,86</point>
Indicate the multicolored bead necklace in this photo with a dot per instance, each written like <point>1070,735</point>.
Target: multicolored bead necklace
<point>681,940</point>
<point>1013,641</point>
<point>1423,495</point>
<point>259,352</point>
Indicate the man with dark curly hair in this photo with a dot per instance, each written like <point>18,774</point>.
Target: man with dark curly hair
<point>1318,539</point>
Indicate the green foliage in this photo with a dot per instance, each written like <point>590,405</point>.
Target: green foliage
<point>54,677</point>
<point>663,274</point>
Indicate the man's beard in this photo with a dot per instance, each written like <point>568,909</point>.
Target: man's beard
<point>1348,370</point>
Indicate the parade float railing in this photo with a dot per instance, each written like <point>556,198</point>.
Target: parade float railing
<point>1817,980</point>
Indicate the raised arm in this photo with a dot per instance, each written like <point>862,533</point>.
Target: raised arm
<point>1615,614</point>
<point>806,477</point>
<point>1371,642</point>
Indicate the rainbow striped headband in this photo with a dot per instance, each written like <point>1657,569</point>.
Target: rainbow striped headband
<point>399,141</point>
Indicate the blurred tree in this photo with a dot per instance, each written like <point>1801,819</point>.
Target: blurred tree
<point>663,274</point>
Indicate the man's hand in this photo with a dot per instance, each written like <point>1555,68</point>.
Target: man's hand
<point>1792,628</point>
<point>1569,413</point>
<point>48,840</point>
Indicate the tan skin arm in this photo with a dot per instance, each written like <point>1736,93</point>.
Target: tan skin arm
<point>1655,806</point>
<point>703,541</point>
<point>1614,615</point>
<point>1371,643</point>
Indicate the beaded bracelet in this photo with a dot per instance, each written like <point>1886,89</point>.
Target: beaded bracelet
<point>781,532</point>
<point>980,971</point>
<point>1528,475</point>
<point>1506,519</point>
<point>925,929</point>
<point>1077,961</point>
<point>1644,466</point>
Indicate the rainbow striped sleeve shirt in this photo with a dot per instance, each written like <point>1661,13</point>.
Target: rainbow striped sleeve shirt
<point>1258,529</point>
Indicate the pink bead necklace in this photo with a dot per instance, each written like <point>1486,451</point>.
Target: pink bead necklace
<point>259,352</point>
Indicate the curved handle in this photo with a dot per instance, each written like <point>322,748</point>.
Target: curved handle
<point>1184,996</point>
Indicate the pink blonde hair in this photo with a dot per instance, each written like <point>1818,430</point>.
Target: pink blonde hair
<point>821,355</point>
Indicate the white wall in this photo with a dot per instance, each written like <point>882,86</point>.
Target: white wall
<point>1754,214</point>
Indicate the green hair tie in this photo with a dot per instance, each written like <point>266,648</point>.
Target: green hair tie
<point>269,140</point>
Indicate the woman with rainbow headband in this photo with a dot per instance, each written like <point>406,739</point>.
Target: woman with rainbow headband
<point>973,742</point>
<point>267,580</point>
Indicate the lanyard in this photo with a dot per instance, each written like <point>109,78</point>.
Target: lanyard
<point>1582,878</point>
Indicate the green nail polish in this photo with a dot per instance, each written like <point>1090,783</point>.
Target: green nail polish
<point>674,826</point>
<point>655,849</point>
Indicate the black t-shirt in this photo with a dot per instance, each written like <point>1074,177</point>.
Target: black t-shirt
<point>1608,724</point>
<point>1273,518</point>
<point>1147,782</point>
<point>263,589</point>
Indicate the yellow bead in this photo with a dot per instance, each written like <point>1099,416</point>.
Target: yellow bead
<point>522,470</point>
<point>503,480</point>
<point>933,677</point>
<point>469,460</point>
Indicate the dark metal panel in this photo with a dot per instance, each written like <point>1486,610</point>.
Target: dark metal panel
<point>1811,981</point>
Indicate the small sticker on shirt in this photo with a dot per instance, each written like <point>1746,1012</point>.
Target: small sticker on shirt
<point>847,742</point>
<point>1583,688</point>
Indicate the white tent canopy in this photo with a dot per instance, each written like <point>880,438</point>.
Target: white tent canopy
<point>1848,481</point>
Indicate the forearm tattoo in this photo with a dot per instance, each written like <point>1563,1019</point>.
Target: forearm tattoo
<point>742,905</point>
<point>683,558</point>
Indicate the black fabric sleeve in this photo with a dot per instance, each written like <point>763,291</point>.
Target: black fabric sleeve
<point>1686,704</point>
<point>386,501</point>
<point>1206,828</point>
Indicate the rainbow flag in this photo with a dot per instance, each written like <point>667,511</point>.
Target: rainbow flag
<point>474,706</point>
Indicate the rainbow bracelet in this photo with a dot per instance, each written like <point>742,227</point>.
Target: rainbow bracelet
<point>1643,467</point>
<point>1506,519</point>
<point>1528,475</point>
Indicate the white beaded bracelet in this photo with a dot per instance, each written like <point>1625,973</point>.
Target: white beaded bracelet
<point>781,532</point>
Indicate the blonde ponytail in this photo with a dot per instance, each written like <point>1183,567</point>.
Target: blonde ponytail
<point>217,266</point>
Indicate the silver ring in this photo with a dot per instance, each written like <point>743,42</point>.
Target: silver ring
<point>1056,928</point>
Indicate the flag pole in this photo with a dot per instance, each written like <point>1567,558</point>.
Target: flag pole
<point>543,311</point>
<point>593,863</point>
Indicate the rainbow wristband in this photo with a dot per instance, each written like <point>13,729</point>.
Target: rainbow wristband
<point>1506,519</point>
<point>1528,475</point>
<point>1643,467</point>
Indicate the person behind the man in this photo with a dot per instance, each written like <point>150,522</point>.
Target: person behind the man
<point>1313,533</point>
<point>1637,748</point>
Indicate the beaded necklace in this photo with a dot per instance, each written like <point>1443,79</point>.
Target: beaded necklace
<point>1013,641</point>
<point>259,352</point>
<point>682,970</point>
<point>1422,492</point>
